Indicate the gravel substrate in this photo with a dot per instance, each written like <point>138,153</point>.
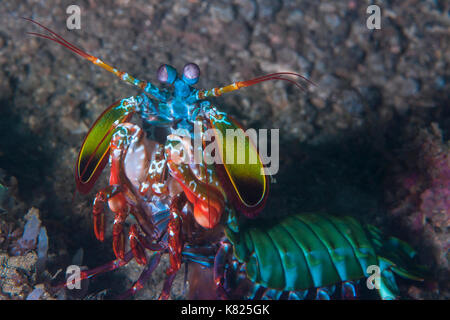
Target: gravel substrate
<point>339,140</point>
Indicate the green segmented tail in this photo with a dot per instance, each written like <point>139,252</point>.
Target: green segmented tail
<point>303,251</point>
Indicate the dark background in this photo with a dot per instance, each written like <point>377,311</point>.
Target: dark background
<point>346,144</point>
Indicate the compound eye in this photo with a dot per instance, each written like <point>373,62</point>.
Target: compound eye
<point>191,73</point>
<point>167,74</point>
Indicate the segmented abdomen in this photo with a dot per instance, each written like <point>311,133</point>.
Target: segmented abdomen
<point>304,251</point>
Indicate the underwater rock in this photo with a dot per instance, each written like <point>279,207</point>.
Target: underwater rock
<point>33,232</point>
<point>23,255</point>
<point>42,249</point>
<point>14,271</point>
<point>35,294</point>
<point>28,240</point>
<point>420,195</point>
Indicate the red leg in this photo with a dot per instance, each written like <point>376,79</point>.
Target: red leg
<point>174,238</point>
<point>145,275</point>
<point>137,248</point>
<point>99,210</point>
<point>118,203</point>
<point>165,294</point>
<point>110,266</point>
<point>175,243</point>
<point>118,233</point>
<point>219,269</point>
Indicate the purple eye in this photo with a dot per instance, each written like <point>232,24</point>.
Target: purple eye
<point>167,74</point>
<point>191,73</point>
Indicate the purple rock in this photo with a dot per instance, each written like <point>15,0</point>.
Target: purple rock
<point>35,294</point>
